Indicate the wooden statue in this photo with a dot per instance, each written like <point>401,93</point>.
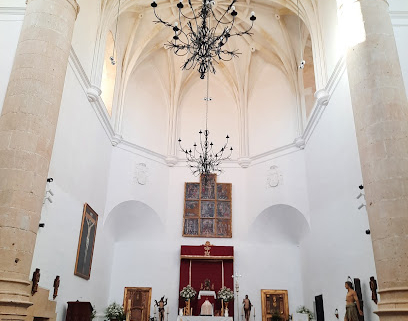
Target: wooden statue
<point>373,287</point>
<point>161,304</point>
<point>247,307</point>
<point>56,286</point>
<point>36,280</point>
<point>352,304</point>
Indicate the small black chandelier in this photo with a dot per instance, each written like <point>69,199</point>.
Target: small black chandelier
<point>202,43</point>
<point>202,159</point>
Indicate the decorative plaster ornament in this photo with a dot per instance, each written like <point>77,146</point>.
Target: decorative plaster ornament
<point>274,177</point>
<point>141,173</point>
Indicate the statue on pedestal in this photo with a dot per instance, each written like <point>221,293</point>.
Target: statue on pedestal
<point>247,307</point>
<point>352,304</point>
<point>161,304</point>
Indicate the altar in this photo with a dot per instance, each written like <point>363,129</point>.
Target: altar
<point>206,268</point>
<point>203,318</point>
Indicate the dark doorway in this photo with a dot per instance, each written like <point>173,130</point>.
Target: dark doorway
<point>319,308</point>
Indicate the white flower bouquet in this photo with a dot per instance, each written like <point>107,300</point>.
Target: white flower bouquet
<point>188,293</point>
<point>302,309</point>
<point>225,294</point>
<point>114,312</point>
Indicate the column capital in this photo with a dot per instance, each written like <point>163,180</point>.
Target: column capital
<point>73,3</point>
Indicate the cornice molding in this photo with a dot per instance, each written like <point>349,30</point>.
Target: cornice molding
<point>399,18</point>
<point>323,97</point>
<point>12,13</point>
<point>93,94</point>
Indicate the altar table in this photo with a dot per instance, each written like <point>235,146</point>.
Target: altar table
<point>203,318</point>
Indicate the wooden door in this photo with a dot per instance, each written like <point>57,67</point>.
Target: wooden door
<point>136,302</point>
<point>275,302</point>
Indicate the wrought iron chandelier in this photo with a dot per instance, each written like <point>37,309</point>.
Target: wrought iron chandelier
<point>203,159</point>
<point>195,37</point>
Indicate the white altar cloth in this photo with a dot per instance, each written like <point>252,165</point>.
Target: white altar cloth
<point>206,293</point>
<point>202,318</point>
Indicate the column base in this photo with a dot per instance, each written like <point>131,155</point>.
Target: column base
<point>14,299</point>
<point>393,305</point>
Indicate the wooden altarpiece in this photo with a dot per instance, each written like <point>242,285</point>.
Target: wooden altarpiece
<point>207,208</point>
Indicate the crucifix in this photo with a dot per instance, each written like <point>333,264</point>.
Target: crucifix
<point>90,223</point>
<point>236,277</point>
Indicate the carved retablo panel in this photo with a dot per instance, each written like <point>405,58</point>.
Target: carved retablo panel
<point>208,208</point>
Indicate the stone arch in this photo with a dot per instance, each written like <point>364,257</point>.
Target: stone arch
<point>133,220</point>
<point>279,224</point>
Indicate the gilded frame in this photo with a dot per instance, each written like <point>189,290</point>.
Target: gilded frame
<point>283,293</point>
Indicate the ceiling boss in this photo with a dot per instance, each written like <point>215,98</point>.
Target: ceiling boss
<point>201,36</point>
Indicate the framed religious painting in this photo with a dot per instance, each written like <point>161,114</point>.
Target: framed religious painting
<point>86,243</point>
<point>208,208</point>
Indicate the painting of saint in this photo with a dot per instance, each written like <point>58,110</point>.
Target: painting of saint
<point>192,191</point>
<point>191,226</point>
<point>192,209</point>
<point>224,209</point>
<point>208,188</point>
<point>223,228</point>
<point>207,227</point>
<point>207,209</point>
<point>86,243</point>
<point>224,192</point>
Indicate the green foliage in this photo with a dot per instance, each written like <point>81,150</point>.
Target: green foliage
<point>304,310</point>
<point>276,316</point>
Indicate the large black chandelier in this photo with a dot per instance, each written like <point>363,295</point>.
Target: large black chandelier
<point>195,37</point>
<point>203,159</point>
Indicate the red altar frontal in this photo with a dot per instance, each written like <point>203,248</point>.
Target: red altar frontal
<point>202,262</point>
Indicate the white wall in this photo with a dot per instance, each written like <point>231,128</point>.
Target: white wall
<point>272,119</point>
<point>147,247</point>
<point>337,246</point>
<point>79,166</point>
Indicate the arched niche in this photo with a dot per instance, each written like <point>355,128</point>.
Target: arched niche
<point>279,224</point>
<point>223,116</point>
<point>145,110</point>
<point>133,220</point>
<point>272,116</point>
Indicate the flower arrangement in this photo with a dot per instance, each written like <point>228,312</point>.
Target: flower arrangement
<point>225,294</point>
<point>302,309</point>
<point>188,292</point>
<point>115,311</point>
<point>93,313</point>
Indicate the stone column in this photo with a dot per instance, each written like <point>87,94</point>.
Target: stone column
<point>27,129</point>
<point>381,119</point>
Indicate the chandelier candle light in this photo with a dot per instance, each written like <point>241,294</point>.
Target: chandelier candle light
<point>194,36</point>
